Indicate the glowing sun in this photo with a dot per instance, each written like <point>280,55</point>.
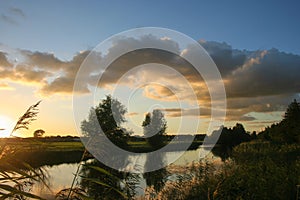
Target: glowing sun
<point>6,125</point>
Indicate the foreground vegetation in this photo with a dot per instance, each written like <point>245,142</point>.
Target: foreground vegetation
<point>256,170</point>
<point>263,166</point>
<point>256,166</point>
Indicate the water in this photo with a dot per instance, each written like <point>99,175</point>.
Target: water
<point>61,176</point>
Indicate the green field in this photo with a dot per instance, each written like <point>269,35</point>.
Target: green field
<point>32,144</point>
<point>43,146</point>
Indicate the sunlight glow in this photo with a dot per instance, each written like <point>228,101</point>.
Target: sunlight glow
<point>6,125</point>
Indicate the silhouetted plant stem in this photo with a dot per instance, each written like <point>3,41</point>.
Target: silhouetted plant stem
<point>76,173</point>
<point>25,120</point>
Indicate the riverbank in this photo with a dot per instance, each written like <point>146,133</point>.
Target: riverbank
<point>53,151</point>
<point>74,144</point>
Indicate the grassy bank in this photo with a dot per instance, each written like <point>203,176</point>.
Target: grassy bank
<point>44,151</point>
<point>32,144</point>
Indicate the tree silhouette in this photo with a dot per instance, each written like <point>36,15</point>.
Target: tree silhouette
<point>106,118</point>
<point>292,114</point>
<point>288,130</point>
<point>228,139</point>
<point>101,182</point>
<point>155,127</point>
<point>156,178</point>
<point>38,133</point>
<point>291,122</point>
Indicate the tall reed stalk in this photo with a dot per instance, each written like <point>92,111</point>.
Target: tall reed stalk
<point>19,177</point>
<point>26,119</point>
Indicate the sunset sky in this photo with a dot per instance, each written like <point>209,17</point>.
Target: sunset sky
<point>255,45</point>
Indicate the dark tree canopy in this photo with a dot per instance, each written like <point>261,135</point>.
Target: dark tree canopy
<point>288,130</point>
<point>292,114</point>
<point>106,118</point>
<point>155,126</point>
<point>38,133</point>
<point>229,138</point>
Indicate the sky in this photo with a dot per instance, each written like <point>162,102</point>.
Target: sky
<point>255,45</point>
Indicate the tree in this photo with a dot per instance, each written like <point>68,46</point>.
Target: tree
<point>109,116</point>
<point>228,139</point>
<point>38,133</point>
<point>292,114</point>
<point>101,182</point>
<point>286,131</point>
<point>291,122</point>
<point>155,127</point>
<point>253,135</point>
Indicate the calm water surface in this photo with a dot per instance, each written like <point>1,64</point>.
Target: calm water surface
<point>61,176</point>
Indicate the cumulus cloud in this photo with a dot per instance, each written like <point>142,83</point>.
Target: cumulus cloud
<point>43,60</point>
<point>226,58</point>
<point>21,74</point>
<point>28,74</point>
<point>181,80</point>
<point>205,112</point>
<point>44,69</point>
<point>3,61</point>
<point>63,84</point>
<point>255,81</point>
<point>266,73</point>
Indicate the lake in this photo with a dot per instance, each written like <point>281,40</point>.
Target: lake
<point>60,176</point>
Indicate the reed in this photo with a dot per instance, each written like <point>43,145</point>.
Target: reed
<point>26,119</point>
<point>14,181</point>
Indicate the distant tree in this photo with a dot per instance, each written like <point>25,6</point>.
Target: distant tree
<point>240,134</point>
<point>232,137</point>
<point>291,122</point>
<point>38,133</point>
<point>253,135</point>
<point>286,131</point>
<point>292,114</point>
<point>229,138</point>
<point>109,116</point>
<point>146,123</point>
<point>155,127</point>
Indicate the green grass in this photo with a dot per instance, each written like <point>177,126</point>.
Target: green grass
<point>29,145</point>
<point>33,145</point>
<point>61,146</point>
<point>138,144</point>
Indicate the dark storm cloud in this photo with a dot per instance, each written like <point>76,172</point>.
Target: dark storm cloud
<point>266,73</point>
<point>226,58</point>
